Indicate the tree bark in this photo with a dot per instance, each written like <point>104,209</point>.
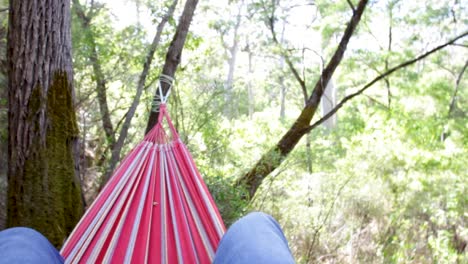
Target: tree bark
<point>44,188</point>
<point>174,55</point>
<point>3,125</point>
<point>136,100</point>
<point>273,158</point>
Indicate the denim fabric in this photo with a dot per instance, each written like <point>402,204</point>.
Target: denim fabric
<point>255,238</point>
<point>25,245</point>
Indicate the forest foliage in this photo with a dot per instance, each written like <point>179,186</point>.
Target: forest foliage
<point>386,183</point>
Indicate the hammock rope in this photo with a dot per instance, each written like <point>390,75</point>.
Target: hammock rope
<point>160,98</point>
<point>156,207</point>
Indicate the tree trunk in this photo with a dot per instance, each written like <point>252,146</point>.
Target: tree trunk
<point>44,188</point>
<point>273,158</point>
<point>232,58</point>
<point>389,50</point>
<point>283,88</point>
<point>3,125</point>
<point>250,90</point>
<point>229,106</point>
<point>174,55</point>
<point>328,103</point>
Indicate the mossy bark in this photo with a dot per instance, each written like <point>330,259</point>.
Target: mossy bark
<point>44,188</point>
<point>46,194</point>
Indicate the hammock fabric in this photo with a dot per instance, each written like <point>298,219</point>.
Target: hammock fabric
<point>155,209</point>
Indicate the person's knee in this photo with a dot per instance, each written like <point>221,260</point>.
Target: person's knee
<point>255,238</point>
<point>20,232</point>
<point>26,245</point>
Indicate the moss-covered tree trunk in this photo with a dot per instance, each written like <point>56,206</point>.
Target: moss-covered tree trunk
<point>44,189</point>
<point>3,119</point>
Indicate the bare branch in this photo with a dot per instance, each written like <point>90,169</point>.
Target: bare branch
<point>377,101</point>
<point>322,60</point>
<point>298,6</point>
<point>4,9</point>
<point>460,45</point>
<point>457,88</point>
<point>287,58</point>
<point>383,76</point>
<point>351,5</point>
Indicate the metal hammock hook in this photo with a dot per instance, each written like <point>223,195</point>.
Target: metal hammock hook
<point>160,98</point>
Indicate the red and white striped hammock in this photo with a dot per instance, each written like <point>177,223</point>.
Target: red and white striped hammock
<point>155,209</point>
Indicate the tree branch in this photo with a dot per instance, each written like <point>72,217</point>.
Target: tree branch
<point>377,101</point>
<point>286,57</point>
<point>275,156</point>
<point>457,88</point>
<point>351,5</point>
<point>383,76</point>
<point>460,45</point>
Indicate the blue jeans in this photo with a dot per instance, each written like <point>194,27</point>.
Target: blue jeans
<point>255,238</point>
<point>26,245</point>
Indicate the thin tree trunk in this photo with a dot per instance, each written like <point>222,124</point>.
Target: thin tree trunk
<point>141,83</point>
<point>273,158</point>
<point>283,87</point>
<point>233,49</point>
<point>174,55</point>
<point>457,88</point>
<point>101,82</point>
<point>251,94</point>
<point>283,90</point>
<point>44,188</point>
<point>453,100</point>
<point>389,50</point>
<point>328,103</point>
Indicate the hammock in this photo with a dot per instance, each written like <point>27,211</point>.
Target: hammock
<point>155,209</point>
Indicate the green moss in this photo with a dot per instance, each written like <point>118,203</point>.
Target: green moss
<point>46,194</point>
<point>27,191</point>
<point>62,130</point>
